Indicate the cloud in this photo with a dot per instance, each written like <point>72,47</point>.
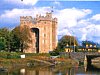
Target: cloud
<point>24,12</point>
<point>64,32</point>
<point>89,32</point>
<point>96,17</point>
<point>94,31</point>
<point>13,16</point>
<point>57,3</point>
<point>76,22</point>
<point>71,21</point>
<point>25,2</point>
<point>69,17</point>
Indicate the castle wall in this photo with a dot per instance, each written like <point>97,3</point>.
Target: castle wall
<point>47,32</point>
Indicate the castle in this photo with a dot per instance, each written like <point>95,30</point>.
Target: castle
<point>43,32</point>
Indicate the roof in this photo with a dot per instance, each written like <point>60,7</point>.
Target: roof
<point>69,47</point>
<point>89,42</point>
<point>87,47</point>
<point>81,47</point>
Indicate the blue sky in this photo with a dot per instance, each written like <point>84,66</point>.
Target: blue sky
<point>78,18</point>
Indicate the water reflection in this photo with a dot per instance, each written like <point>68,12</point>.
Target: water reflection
<point>57,71</point>
<point>22,71</point>
<point>85,68</point>
<point>93,68</point>
<point>32,71</point>
<point>62,70</point>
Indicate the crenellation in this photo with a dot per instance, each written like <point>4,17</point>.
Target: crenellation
<point>55,19</point>
<point>38,18</point>
<point>25,20</point>
<point>48,17</point>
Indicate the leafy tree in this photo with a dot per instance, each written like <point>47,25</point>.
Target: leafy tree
<point>22,35</point>
<point>14,42</point>
<point>5,35</point>
<point>66,40</point>
<point>2,44</point>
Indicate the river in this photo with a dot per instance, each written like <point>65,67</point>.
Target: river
<point>52,70</point>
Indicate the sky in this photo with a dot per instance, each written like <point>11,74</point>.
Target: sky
<point>79,18</point>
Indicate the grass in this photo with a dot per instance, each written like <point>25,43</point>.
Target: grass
<point>14,58</point>
<point>9,59</point>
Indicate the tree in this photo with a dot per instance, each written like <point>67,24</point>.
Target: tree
<point>14,42</point>
<point>66,40</point>
<point>2,43</point>
<point>5,36</point>
<point>22,34</point>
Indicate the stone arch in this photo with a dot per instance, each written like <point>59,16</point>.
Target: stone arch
<point>36,38</point>
<point>90,57</point>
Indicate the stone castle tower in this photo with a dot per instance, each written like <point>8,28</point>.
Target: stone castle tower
<point>44,33</point>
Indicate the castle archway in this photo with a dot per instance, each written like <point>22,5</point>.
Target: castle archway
<point>36,39</point>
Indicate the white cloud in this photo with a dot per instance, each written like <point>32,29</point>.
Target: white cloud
<point>64,32</point>
<point>96,17</point>
<point>94,31</point>
<point>12,17</point>
<point>89,32</point>
<point>15,13</point>
<point>56,3</point>
<point>25,2</point>
<point>83,27</point>
<point>68,19</point>
<point>84,36</point>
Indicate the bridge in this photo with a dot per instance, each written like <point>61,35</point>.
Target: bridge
<point>90,57</point>
<point>84,56</point>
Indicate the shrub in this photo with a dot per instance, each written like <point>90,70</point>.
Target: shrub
<point>9,55</point>
<point>54,53</point>
<point>13,55</point>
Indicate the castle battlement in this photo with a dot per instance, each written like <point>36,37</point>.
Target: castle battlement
<point>27,18</point>
<point>47,17</point>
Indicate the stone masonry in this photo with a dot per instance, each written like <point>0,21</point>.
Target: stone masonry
<point>43,33</point>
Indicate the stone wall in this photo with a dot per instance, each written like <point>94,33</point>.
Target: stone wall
<point>47,26</point>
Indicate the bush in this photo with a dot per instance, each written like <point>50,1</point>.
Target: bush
<point>9,55</point>
<point>54,53</point>
<point>13,55</point>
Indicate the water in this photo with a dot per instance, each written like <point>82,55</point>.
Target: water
<point>62,70</point>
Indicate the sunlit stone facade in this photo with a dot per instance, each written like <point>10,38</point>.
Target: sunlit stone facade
<point>43,33</point>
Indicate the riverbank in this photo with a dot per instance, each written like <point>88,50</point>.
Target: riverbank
<point>8,60</point>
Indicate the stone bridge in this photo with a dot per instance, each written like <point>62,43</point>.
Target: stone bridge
<point>89,59</point>
<point>80,56</point>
